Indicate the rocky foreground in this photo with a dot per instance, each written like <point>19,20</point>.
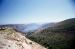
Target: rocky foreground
<point>10,39</point>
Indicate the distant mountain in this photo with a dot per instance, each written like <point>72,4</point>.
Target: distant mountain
<point>23,27</point>
<point>17,27</point>
<point>60,36</point>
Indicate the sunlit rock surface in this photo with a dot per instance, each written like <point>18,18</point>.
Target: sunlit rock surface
<point>10,39</point>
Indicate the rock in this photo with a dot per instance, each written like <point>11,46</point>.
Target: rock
<point>10,39</point>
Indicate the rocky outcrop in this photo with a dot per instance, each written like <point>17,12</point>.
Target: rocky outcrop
<point>10,39</point>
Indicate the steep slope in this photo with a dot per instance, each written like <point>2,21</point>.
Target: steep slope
<point>66,25</point>
<point>61,36</point>
<point>10,39</point>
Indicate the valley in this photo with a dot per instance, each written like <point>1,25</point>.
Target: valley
<point>60,35</point>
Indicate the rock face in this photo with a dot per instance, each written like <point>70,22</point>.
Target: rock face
<point>10,39</point>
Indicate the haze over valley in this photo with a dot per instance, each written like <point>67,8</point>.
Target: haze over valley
<point>37,24</point>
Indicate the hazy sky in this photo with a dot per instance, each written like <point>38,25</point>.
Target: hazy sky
<point>35,11</point>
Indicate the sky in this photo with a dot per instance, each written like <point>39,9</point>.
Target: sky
<point>35,11</point>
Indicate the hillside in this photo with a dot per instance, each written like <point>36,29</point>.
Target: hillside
<point>61,36</point>
<point>66,25</point>
<point>10,39</point>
